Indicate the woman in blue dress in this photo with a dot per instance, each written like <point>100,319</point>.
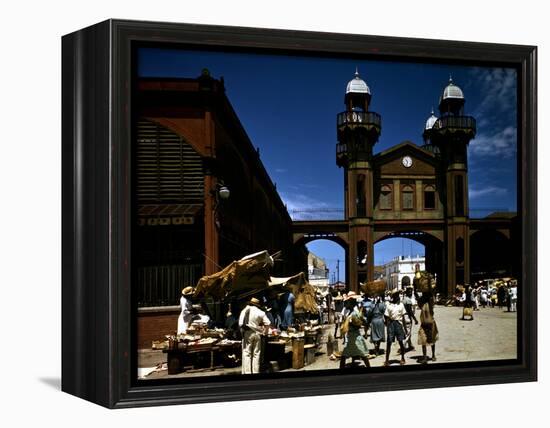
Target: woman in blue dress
<point>287,310</point>
<point>273,312</point>
<point>375,317</point>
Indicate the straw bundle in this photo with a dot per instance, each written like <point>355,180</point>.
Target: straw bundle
<point>374,288</point>
<point>424,283</point>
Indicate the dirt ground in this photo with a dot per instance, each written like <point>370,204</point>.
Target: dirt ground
<point>491,335</point>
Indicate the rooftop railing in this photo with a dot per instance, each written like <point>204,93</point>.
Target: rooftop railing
<point>359,118</point>
<point>456,122</point>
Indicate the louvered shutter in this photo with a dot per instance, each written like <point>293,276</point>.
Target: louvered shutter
<point>169,170</point>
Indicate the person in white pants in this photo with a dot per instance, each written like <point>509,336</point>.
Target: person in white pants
<point>253,322</point>
<point>186,316</point>
<point>513,296</point>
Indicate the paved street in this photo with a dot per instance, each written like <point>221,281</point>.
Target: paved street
<point>492,335</point>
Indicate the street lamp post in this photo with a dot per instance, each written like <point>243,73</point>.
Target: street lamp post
<point>216,193</point>
<point>220,193</point>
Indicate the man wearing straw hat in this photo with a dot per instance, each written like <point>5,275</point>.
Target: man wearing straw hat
<point>186,314</point>
<point>253,322</point>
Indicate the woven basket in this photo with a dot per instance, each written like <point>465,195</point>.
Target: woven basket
<point>467,312</point>
<point>425,283</point>
<point>374,288</point>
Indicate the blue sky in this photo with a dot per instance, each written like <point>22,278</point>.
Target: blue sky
<point>288,107</point>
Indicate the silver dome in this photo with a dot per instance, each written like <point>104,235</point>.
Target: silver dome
<point>357,85</point>
<point>431,121</point>
<point>452,91</point>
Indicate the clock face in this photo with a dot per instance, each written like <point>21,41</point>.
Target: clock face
<point>407,161</point>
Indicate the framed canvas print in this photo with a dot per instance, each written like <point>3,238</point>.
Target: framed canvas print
<point>253,213</point>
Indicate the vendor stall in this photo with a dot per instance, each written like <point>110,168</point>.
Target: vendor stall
<point>202,348</point>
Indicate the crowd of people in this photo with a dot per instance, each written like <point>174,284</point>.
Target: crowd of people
<point>388,319</point>
<point>502,294</point>
<point>382,319</point>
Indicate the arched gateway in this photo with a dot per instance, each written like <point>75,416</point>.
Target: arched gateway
<point>410,191</point>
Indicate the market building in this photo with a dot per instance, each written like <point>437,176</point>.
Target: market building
<point>415,192</point>
<point>202,197</point>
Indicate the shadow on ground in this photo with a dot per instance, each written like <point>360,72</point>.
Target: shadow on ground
<point>53,382</point>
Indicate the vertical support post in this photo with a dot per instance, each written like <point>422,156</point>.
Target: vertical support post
<point>370,253</point>
<point>211,239</point>
<point>351,274</point>
<point>211,235</point>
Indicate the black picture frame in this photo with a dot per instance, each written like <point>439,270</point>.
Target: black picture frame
<point>97,320</point>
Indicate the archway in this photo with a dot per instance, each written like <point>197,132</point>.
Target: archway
<point>332,264</point>
<point>398,255</point>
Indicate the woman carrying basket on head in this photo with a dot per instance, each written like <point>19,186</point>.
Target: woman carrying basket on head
<point>375,313</point>
<point>428,333</point>
<point>375,318</point>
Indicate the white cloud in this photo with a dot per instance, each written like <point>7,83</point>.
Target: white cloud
<point>499,86</point>
<point>503,143</point>
<point>495,113</point>
<point>310,186</point>
<point>301,202</point>
<point>484,191</point>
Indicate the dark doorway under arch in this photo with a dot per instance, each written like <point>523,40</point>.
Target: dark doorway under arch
<point>491,255</point>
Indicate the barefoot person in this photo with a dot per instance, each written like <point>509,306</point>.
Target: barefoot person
<point>468,309</point>
<point>427,334</point>
<point>375,317</point>
<point>356,346</point>
<point>408,302</point>
<point>395,318</point>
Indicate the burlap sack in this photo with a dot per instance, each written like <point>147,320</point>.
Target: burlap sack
<point>374,288</point>
<point>425,283</point>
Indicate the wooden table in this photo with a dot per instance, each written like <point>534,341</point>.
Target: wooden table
<point>178,357</point>
<point>274,350</point>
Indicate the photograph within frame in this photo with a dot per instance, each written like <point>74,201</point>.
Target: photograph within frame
<point>100,317</point>
<point>200,191</point>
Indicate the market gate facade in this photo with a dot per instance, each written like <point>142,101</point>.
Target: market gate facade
<point>417,192</point>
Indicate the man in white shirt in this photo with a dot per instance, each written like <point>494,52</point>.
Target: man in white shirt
<point>253,322</point>
<point>186,316</point>
<point>395,318</point>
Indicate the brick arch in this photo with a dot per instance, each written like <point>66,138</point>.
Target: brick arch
<point>434,248</point>
<point>503,232</point>
<point>302,239</point>
<point>424,240</point>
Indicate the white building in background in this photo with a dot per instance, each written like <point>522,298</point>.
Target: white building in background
<point>317,272</point>
<point>399,273</point>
